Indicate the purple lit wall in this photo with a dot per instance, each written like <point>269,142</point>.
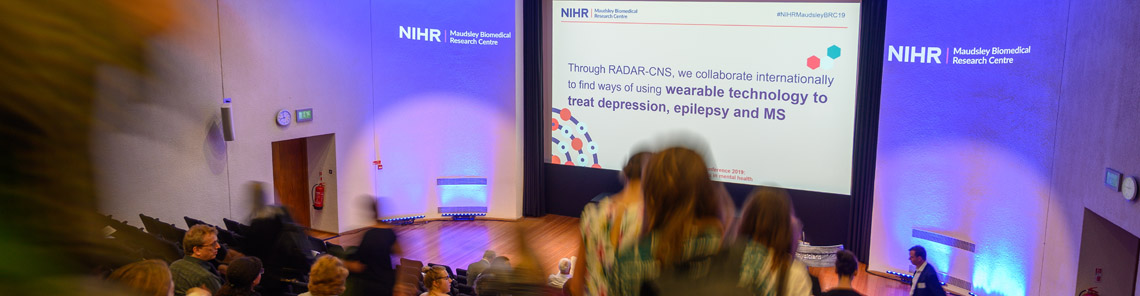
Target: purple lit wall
<point>966,140</point>
<point>445,104</point>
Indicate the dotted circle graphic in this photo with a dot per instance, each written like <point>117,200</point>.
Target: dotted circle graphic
<point>570,140</point>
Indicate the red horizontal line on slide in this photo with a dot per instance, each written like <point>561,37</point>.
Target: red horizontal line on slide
<point>721,25</point>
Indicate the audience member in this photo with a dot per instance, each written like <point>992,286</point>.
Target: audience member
<point>327,277</point>
<point>499,265</point>
<point>474,269</point>
<point>243,274</point>
<point>371,264</point>
<point>149,278</point>
<point>487,285</point>
<point>845,266</point>
<point>520,276</point>
<point>612,223</point>
<point>559,279</point>
<point>682,220</point>
<point>925,281</point>
<point>437,282</point>
<point>201,245</point>
<point>283,247</point>
<point>770,267</point>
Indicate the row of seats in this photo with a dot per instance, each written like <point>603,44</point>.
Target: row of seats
<point>164,240</point>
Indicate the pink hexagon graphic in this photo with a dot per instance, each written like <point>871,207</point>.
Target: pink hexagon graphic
<point>813,62</point>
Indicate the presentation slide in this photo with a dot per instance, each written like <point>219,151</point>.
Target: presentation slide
<point>770,86</point>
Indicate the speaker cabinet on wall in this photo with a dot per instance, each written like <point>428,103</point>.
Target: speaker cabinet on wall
<point>227,121</point>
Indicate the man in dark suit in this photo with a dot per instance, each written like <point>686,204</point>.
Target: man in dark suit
<point>476,268</point>
<point>925,281</point>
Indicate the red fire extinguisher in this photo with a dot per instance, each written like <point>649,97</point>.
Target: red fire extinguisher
<point>319,194</point>
<point>1089,292</point>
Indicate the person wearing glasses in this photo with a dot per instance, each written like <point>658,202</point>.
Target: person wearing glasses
<point>437,282</point>
<point>193,270</point>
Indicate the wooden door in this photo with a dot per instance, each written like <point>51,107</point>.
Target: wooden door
<point>291,178</point>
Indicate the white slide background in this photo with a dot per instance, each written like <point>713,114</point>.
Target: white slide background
<point>809,149</point>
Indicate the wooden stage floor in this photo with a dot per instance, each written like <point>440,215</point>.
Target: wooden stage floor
<point>551,237</point>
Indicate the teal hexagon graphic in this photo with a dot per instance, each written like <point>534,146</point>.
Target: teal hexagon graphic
<point>833,52</point>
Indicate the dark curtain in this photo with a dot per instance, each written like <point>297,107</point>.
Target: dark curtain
<point>533,155</point>
<point>873,26</point>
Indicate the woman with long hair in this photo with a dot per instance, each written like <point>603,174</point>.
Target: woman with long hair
<point>769,266</point>
<point>682,220</point>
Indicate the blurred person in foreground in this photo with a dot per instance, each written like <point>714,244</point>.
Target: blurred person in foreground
<point>845,267</point>
<point>49,60</point>
<point>524,278</point>
<point>767,225</point>
<point>611,224</point>
<point>147,278</point>
<point>371,264</point>
<point>282,245</point>
<point>327,277</point>
<point>682,220</point>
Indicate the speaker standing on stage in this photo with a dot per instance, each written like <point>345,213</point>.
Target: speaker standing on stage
<point>925,281</point>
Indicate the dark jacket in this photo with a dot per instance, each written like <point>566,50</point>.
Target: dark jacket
<point>475,269</point>
<point>928,284</point>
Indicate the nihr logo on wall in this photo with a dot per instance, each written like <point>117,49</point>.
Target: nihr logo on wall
<point>914,54</point>
<point>422,34</point>
<point>995,55</point>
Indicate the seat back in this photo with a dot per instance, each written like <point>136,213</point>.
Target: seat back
<point>236,227</point>
<point>412,263</point>
<point>162,229</point>
<point>190,222</point>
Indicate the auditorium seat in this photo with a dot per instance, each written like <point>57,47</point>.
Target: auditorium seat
<point>236,227</point>
<point>412,263</point>
<point>149,245</point>
<point>318,245</point>
<point>190,222</point>
<point>412,271</point>
<point>336,250</point>
<point>162,229</point>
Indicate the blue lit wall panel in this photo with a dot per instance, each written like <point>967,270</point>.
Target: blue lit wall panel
<point>444,82</point>
<point>965,149</point>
